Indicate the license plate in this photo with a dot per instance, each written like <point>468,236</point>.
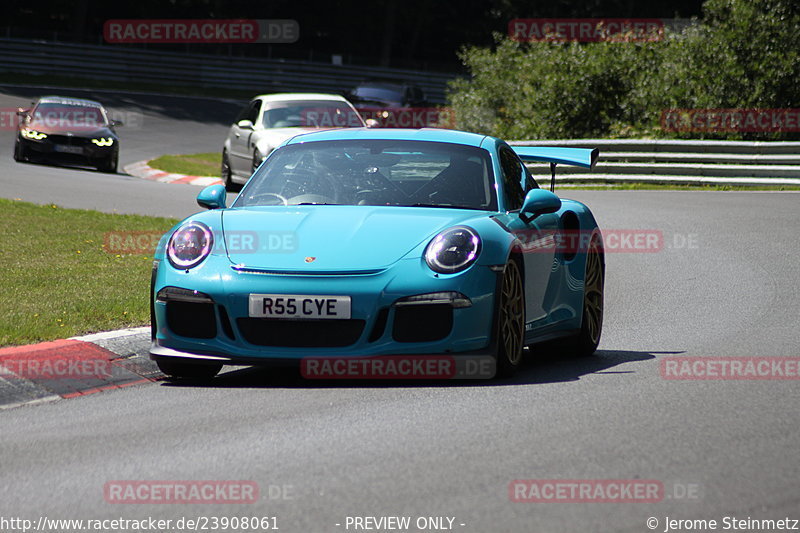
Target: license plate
<point>299,306</point>
<point>66,149</point>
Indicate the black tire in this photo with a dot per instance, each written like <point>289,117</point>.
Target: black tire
<point>510,319</point>
<point>20,154</point>
<point>227,175</point>
<point>181,369</point>
<point>109,165</point>
<point>256,161</point>
<point>586,341</point>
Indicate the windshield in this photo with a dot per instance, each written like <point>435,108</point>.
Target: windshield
<point>311,114</point>
<point>380,93</point>
<point>374,172</point>
<point>66,116</point>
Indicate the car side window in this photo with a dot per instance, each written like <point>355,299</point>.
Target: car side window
<point>513,194</point>
<point>530,183</point>
<point>252,112</point>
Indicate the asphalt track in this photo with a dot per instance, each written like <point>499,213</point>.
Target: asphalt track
<point>725,284</point>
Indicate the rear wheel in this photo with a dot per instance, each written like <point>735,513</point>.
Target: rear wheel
<point>182,369</point>
<point>510,321</point>
<point>586,341</point>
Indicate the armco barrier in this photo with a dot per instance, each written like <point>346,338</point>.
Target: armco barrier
<point>121,63</point>
<point>680,161</point>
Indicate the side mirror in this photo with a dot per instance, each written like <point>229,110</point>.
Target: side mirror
<point>115,123</point>
<point>538,202</point>
<point>212,197</point>
<point>372,123</point>
<point>245,124</point>
<point>22,112</point>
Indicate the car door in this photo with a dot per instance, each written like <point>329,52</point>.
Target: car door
<point>536,235</point>
<point>241,153</point>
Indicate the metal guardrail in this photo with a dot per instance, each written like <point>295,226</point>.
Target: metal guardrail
<point>680,161</point>
<point>259,75</point>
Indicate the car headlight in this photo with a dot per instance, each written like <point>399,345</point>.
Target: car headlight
<point>453,250</point>
<point>104,141</point>
<point>189,245</point>
<point>33,134</point>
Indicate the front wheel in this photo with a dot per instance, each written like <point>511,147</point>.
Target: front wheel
<point>227,174</point>
<point>20,154</point>
<point>510,321</point>
<point>182,369</point>
<point>109,164</point>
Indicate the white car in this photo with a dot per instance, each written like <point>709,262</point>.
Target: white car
<point>269,119</point>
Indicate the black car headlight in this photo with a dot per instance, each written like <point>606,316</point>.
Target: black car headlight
<point>189,245</point>
<point>453,250</point>
<point>33,134</point>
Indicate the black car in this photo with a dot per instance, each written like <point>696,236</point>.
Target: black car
<point>387,94</point>
<point>67,130</point>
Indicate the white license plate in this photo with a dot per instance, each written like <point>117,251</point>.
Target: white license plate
<point>66,149</point>
<point>299,306</point>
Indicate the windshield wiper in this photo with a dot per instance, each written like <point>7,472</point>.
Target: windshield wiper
<point>315,203</point>
<point>447,206</point>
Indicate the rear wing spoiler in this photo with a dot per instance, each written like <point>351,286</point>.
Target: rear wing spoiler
<point>579,157</point>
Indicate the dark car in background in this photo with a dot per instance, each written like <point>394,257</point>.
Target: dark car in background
<point>394,104</point>
<point>67,130</point>
<point>387,94</point>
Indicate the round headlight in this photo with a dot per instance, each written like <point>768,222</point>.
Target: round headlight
<point>453,250</point>
<point>189,245</point>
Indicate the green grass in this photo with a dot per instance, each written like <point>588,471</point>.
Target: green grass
<point>60,280</point>
<point>192,164</point>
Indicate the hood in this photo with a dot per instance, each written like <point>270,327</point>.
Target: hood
<point>338,237</point>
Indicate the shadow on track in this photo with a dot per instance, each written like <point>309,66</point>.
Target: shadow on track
<point>535,370</point>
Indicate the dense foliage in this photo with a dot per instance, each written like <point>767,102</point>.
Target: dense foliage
<point>743,54</point>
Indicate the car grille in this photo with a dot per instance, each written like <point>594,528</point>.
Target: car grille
<point>422,323</point>
<point>300,333</point>
<point>69,140</point>
<point>191,319</point>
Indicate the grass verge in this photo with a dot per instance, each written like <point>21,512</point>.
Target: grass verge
<point>207,164</point>
<point>60,279</point>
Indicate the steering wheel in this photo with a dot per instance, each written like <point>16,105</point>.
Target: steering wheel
<point>311,199</point>
<point>274,195</point>
<point>300,179</point>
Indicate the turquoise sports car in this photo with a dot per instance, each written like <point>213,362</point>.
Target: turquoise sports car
<point>376,244</point>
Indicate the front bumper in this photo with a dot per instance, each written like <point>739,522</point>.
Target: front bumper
<point>55,147</point>
<point>216,326</point>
